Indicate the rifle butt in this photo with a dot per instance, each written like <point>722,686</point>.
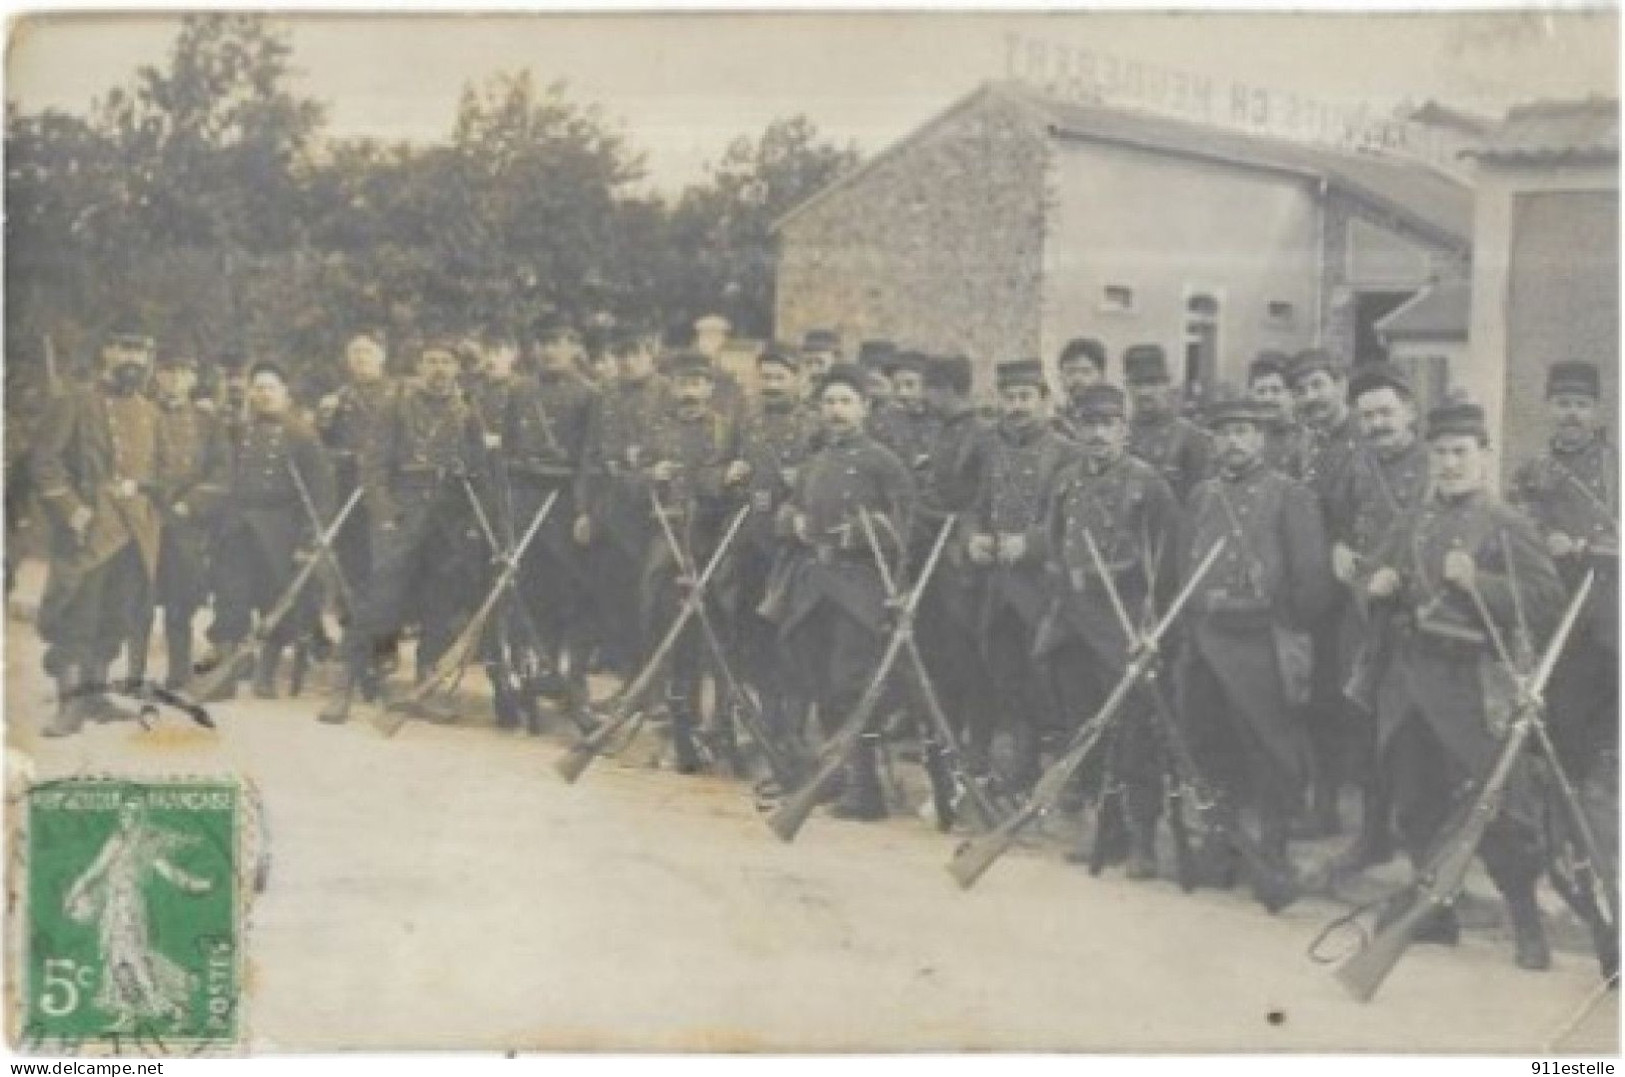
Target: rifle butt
<point>790,816</point>
<point>212,681</point>
<point>1363,974</point>
<point>973,859</point>
<point>574,762</point>
<point>390,720</point>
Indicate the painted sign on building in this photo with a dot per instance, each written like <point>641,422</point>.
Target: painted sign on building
<point>1092,76</point>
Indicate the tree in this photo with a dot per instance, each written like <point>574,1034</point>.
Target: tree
<point>722,231</point>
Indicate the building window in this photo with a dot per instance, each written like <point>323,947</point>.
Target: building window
<point>1280,314</point>
<point>1117,299</point>
<point>1201,339</point>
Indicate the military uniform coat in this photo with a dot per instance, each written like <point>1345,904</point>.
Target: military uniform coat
<point>1181,451</point>
<point>1576,492</point>
<point>1273,576</point>
<point>192,489</point>
<point>1018,474</point>
<point>614,456</point>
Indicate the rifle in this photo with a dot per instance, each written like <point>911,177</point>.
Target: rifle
<point>944,764</point>
<point>324,550</point>
<point>227,669</point>
<point>793,813</point>
<point>1441,878</point>
<point>1274,888</point>
<point>976,856</point>
<point>450,664</point>
<point>784,765</point>
<point>624,709</point>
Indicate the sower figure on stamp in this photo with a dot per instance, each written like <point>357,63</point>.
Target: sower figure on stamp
<point>1459,574</point>
<point>1319,384</point>
<point>1572,493</point>
<point>1082,364</point>
<point>1284,435</point>
<point>1008,541</point>
<point>777,438</point>
<point>695,470</point>
<point>1126,509</point>
<point>950,612</point>
<point>1243,670</point>
<point>833,620</point>
<point>197,463</point>
<point>548,419</point>
<point>1158,434</point>
<point>1387,478</point>
<point>98,463</point>
<point>614,497</point>
<point>429,559</point>
<point>265,527</point>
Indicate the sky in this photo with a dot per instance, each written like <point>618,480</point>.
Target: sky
<point>685,85</point>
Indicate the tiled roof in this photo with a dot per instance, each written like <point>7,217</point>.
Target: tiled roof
<point>1437,313</point>
<point>1556,131</point>
<point>1410,188</point>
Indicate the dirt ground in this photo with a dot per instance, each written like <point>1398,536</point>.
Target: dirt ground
<point>447,889</point>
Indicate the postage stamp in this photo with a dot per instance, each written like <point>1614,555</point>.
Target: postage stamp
<point>132,916</point>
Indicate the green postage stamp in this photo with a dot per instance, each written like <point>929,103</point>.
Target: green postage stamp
<point>132,916</point>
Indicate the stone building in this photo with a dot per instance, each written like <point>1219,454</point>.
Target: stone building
<point>1012,222</point>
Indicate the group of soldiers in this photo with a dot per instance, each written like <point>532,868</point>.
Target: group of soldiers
<point>1346,573</point>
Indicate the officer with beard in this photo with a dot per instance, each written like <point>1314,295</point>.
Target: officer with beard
<point>1443,700</point>
<point>1158,434</point>
<point>1572,493</point>
<point>1240,663</point>
<point>98,464</point>
<point>1008,540</point>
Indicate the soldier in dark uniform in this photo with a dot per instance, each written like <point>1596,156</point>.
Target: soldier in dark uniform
<point>777,439</point>
<point>696,470</point>
<point>1082,364</point>
<point>1009,541</point>
<point>429,559</point>
<point>347,422</point>
<point>820,350</point>
<point>1128,510</point>
<point>614,498</point>
<point>950,615</point>
<point>1243,670</point>
<point>907,427</point>
<point>98,463</point>
<point>1572,493</point>
<point>1386,479</point>
<point>833,622</point>
<point>549,418</point>
<point>1180,450</point>
<point>197,464</point>
<point>1443,699</point>
<point>875,358</point>
<point>1266,383</point>
<point>1331,439</point>
<point>265,529</point>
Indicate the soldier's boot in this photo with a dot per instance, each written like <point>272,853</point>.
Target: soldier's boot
<point>1216,862</point>
<point>1278,887</point>
<point>686,757</point>
<point>1529,947</point>
<point>265,669</point>
<point>178,649</point>
<point>724,745</point>
<point>98,704</point>
<point>336,711</point>
<point>1373,845</point>
<point>300,669</point>
<point>1142,855</point>
<point>69,716</point>
<point>503,700</point>
<point>864,800</point>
